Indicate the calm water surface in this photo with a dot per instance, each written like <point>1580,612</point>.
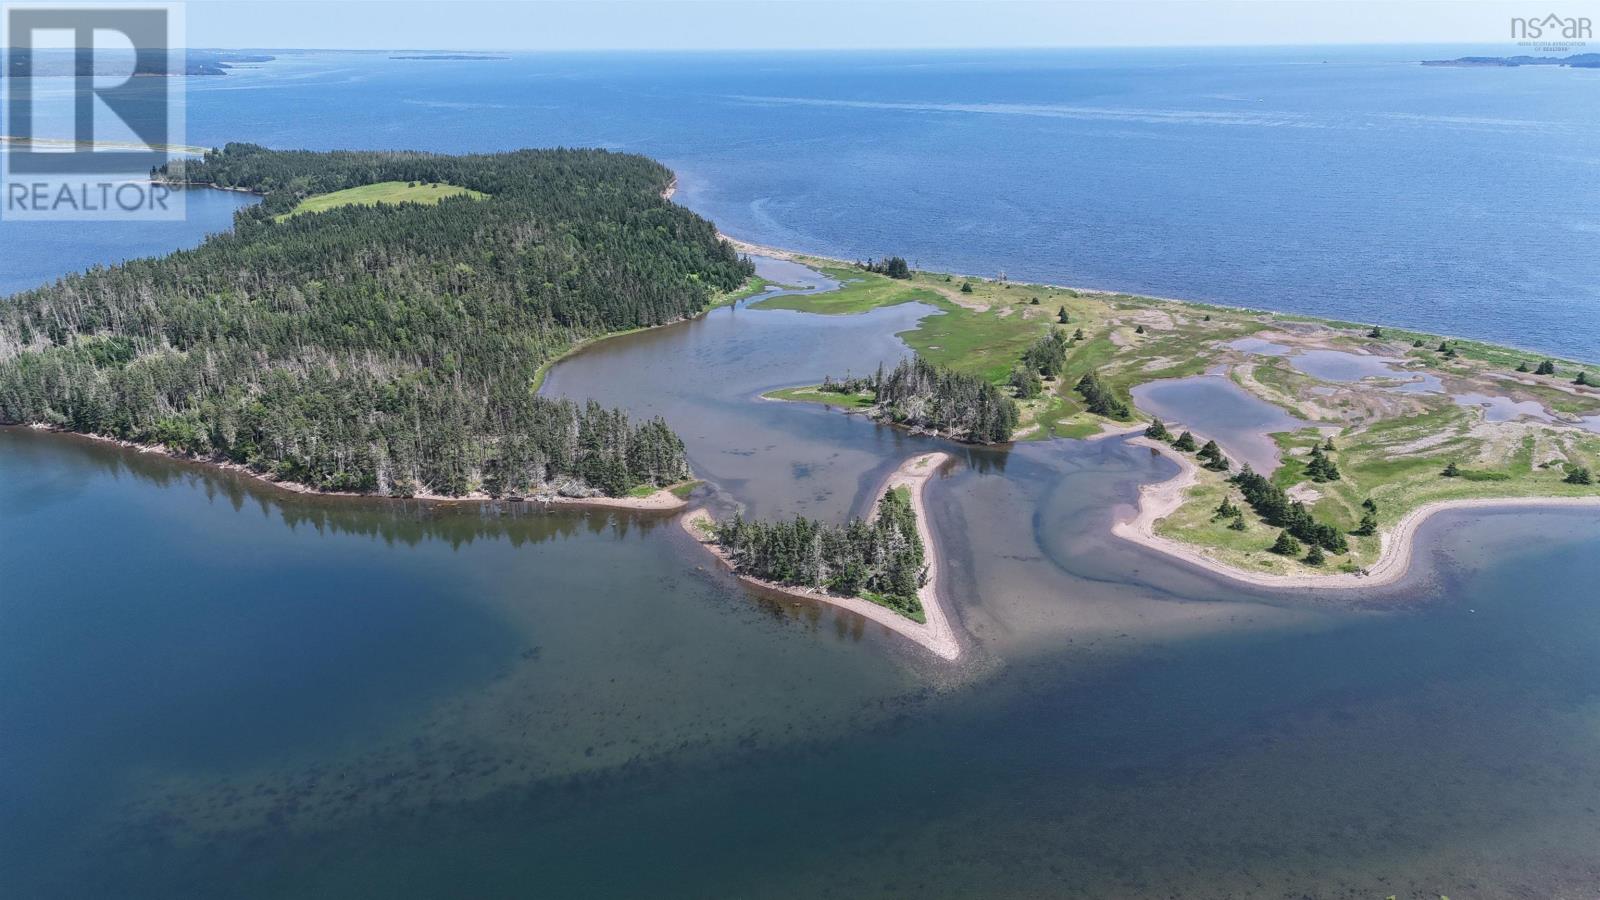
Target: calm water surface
<point>37,253</point>
<point>1344,182</point>
<point>209,688</point>
<point>214,688</point>
<point>1240,422</point>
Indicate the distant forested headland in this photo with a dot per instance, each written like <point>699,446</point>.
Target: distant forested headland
<point>55,62</point>
<point>1575,61</point>
<point>390,348</point>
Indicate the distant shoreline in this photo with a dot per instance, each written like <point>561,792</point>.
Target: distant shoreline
<point>62,143</point>
<point>936,634</point>
<point>1574,61</point>
<point>750,248</point>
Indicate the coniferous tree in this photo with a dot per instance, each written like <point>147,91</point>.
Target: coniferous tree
<point>894,267</point>
<point>1275,508</point>
<point>1062,317</point>
<point>1321,467</point>
<point>1157,430</point>
<point>1026,382</point>
<point>1546,367</point>
<point>1314,556</point>
<point>1185,442</point>
<point>919,394</point>
<point>1047,355</point>
<point>1099,399</point>
<point>1285,545</point>
<point>1225,510</point>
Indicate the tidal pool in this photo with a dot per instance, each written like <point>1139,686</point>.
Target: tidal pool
<point>1503,409</point>
<point>1259,346</point>
<point>1240,422</point>
<point>1339,365</point>
<point>1343,366</point>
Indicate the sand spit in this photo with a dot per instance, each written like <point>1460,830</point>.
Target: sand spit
<point>1159,500</point>
<point>936,635</point>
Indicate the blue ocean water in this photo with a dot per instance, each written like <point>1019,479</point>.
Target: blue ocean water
<point>211,689</point>
<point>36,253</point>
<point>1343,182</point>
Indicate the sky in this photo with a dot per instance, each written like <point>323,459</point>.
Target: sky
<point>829,24</point>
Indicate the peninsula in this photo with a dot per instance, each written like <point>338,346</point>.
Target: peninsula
<point>378,325</point>
<point>1366,429</point>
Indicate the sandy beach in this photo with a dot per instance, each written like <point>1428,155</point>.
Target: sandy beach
<point>936,635</point>
<point>1157,501</point>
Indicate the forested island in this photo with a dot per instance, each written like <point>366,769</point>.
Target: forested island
<point>386,347</point>
<point>1576,61</point>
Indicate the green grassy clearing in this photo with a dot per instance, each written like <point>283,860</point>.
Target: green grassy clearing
<point>810,394</point>
<point>382,192</point>
<point>754,286</point>
<point>858,292</point>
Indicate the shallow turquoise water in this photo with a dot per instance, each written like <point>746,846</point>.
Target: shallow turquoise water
<point>1240,422</point>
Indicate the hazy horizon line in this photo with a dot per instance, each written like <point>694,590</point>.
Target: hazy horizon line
<point>853,49</point>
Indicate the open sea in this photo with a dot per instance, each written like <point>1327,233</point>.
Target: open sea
<point>1341,182</point>
<point>210,688</point>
